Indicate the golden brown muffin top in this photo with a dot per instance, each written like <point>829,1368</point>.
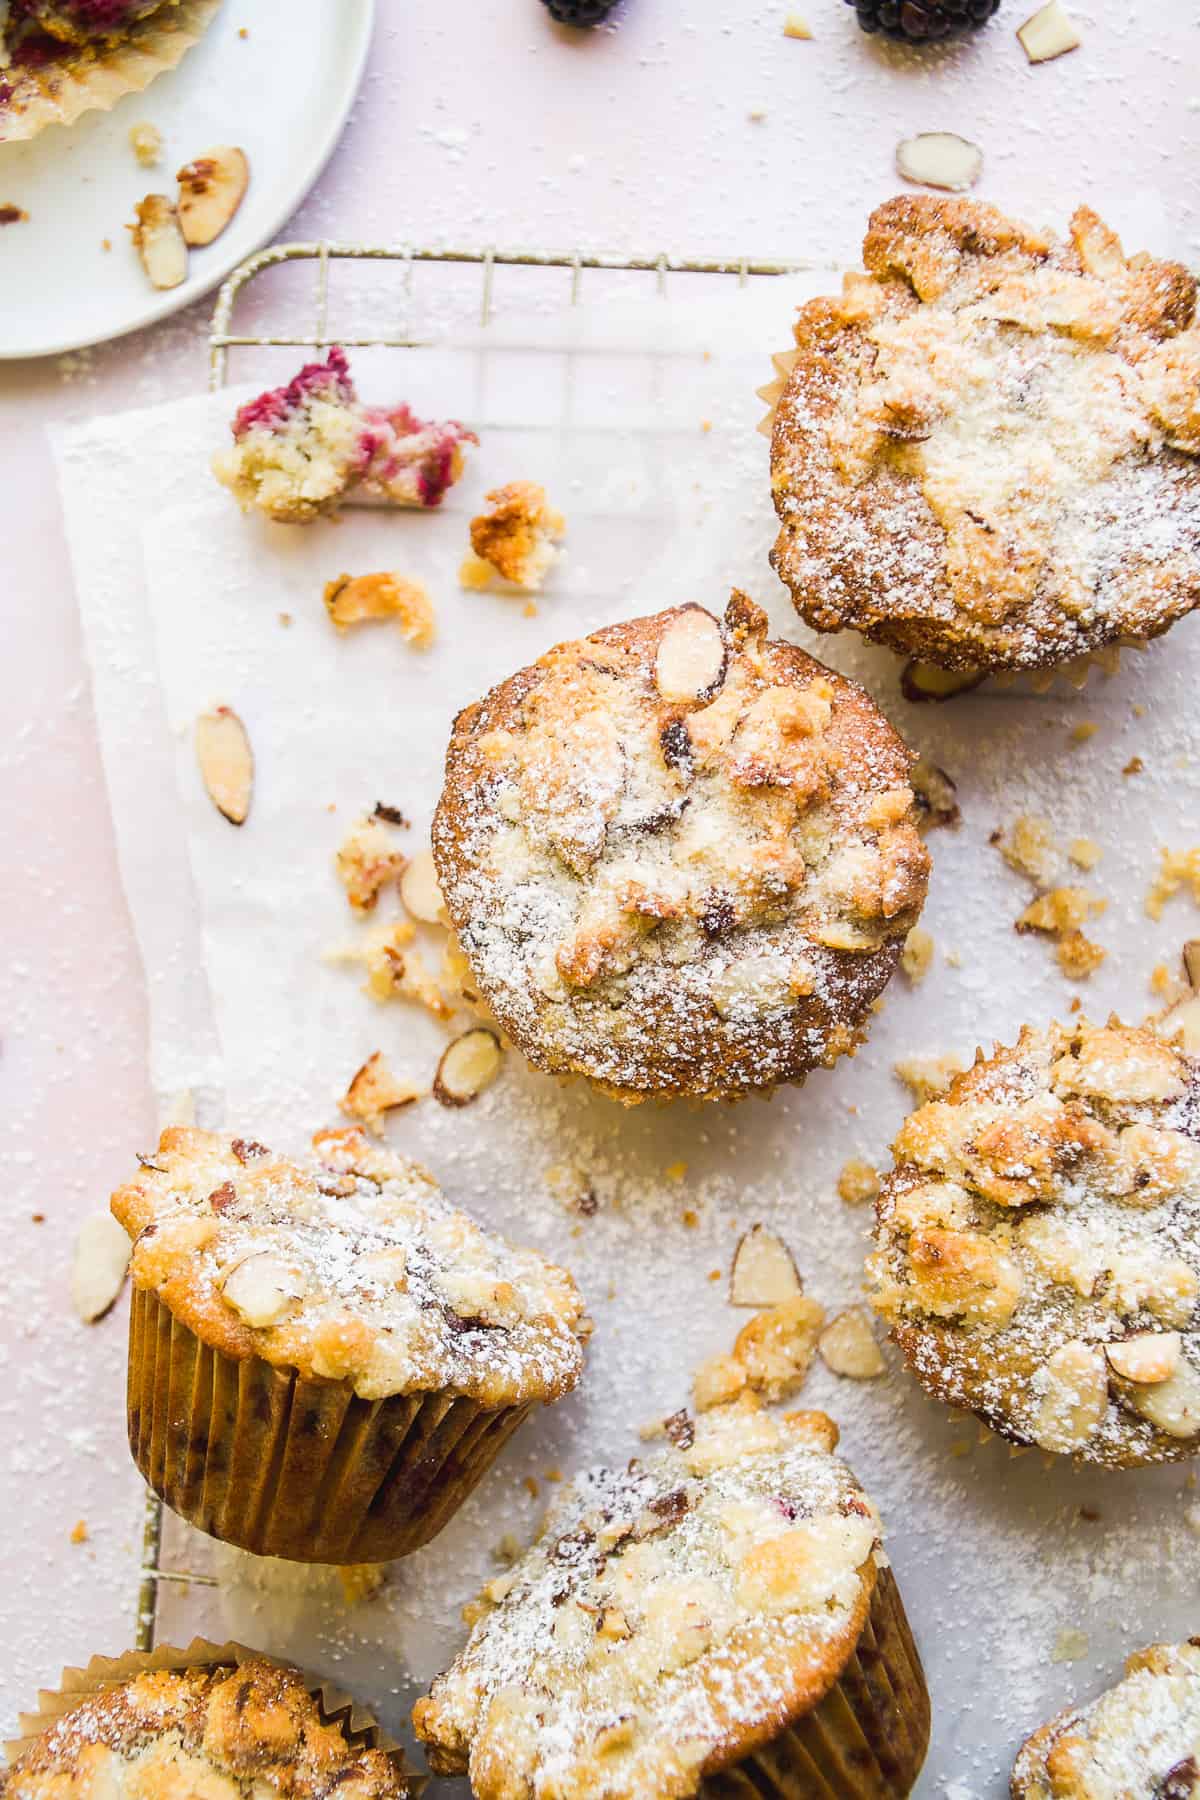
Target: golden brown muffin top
<point>1138,1741</point>
<point>986,451</point>
<point>224,1733</point>
<point>672,1615</point>
<point>680,857</point>
<point>1039,1243</point>
<point>354,1268</point>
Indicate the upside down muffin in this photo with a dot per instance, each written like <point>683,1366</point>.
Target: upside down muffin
<point>325,1358</point>
<point>1138,1741</point>
<point>985,454</point>
<point>681,858</point>
<point>717,1621</point>
<point>250,1732</point>
<point>1038,1244</point>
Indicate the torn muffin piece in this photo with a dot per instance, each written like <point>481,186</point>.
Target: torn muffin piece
<point>517,539</point>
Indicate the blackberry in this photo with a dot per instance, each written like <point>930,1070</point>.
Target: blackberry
<point>579,12</point>
<point>922,21</point>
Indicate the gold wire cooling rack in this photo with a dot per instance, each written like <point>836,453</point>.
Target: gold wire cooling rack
<point>223,337</point>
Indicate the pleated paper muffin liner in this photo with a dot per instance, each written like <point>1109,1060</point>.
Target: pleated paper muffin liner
<point>94,80</point>
<point>282,1465</point>
<point>867,1738</point>
<point>357,1725</point>
<point>1074,673</point>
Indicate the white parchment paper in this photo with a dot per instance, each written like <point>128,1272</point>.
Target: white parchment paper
<point>641,422</point>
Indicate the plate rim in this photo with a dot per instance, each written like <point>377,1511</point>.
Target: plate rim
<point>175,299</point>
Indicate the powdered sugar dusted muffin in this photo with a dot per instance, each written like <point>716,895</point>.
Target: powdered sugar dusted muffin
<point>719,1620</point>
<point>1139,1741</point>
<point>986,452</point>
<point>347,1353</point>
<point>1039,1244</point>
<point>299,450</point>
<point>681,858</point>
<point>229,1733</point>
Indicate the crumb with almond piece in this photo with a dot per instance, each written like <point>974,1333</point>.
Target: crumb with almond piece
<point>396,970</point>
<point>353,599</point>
<point>516,539</point>
<point>367,861</point>
<point>927,1077</point>
<point>375,1091</point>
<point>1177,869</point>
<point>858,1182</point>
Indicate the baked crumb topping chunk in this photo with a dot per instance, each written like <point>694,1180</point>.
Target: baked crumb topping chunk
<point>985,454</point>
<point>352,1268</point>
<point>225,1733</point>
<point>298,450</point>
<point>671,1615</point>
<point>1139,1741</point>
<point>1038,1243</point>
<point>679,856</point>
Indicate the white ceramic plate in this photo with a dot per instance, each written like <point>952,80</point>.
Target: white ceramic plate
<point>282,93</point>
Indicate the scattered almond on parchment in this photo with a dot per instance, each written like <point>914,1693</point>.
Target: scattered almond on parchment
<point>102,1251</point>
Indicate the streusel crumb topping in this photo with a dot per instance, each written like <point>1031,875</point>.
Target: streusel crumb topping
<point>240,1733</point>
<point>353,1268</point>
<point>986,451</point>
<point>1039,1243</point>
<point>679,856</point>
<point>672,1614</point>
<point>1139,1741</point>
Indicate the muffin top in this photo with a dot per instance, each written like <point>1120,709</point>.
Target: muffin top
<point>353,1269</point>
<point>1039,1243</point>
<point>986,451</point>
<point>224,1733</point>
<point>672,1615</point>
<point>681,858</point>
<point>1139,1741</point>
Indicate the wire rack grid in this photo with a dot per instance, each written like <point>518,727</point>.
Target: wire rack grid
<point>223,337</point>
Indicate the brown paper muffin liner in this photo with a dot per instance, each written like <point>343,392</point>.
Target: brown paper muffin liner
<point>282,1465</point>
<point>357,1725</point>
<point>867,1738</point>
<point>94,80</point>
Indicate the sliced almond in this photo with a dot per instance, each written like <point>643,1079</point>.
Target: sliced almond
<point>375,1091</point>
<point>420,892</point>
<point>226,762</point>
<point>690,664</point>
<point>920,682</point>
<point>262,1289</point>
<point>159,241</point>
<point>764,1272</point>
<point>1148,1357</point>
<point>1075,1398</point>
<point>1172,1405</point>
<point>1191,962</point>
<point>1181,1023</point>
<point>1048,33</point>
<point>211,188</point>
<point>470,1064</point>
<point>101,1258</point>
<point>940,159</point>
<point>848,1347</point>
<point>935,794</point>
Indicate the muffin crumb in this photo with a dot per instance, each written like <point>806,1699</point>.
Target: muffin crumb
<point>858,1182</point>
<point>927,1077</point>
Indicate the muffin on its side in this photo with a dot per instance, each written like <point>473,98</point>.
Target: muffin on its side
<point>253,1730</point>
<point>1140,1740</point>
<point>1038,1244</point>
<point>681,858</point>
<point>325,1359</point>
<point>987,452</point>
<point>718,1621</point>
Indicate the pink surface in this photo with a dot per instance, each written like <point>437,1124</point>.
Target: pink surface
<point>478,123</point>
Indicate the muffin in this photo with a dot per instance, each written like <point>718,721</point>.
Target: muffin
<point>1140,1740</point>
<point>298,450</point>
<point>325,1359</point>
<point>718,1621</point>
<point>681,858</point>
<point>1038,1244</point>
<point>985,454</point>
<point>174,1723</point>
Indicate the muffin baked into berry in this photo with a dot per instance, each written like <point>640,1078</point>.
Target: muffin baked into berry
<point>60,58</point>
<point>986,451</point>
<point>681,857</point>
<point>325,1359</point>
<point>1139,1741</point>
<point>718,1621</point>
<point>1038,1243</point>
<point>299,450</point>
<point>130,1725</point>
